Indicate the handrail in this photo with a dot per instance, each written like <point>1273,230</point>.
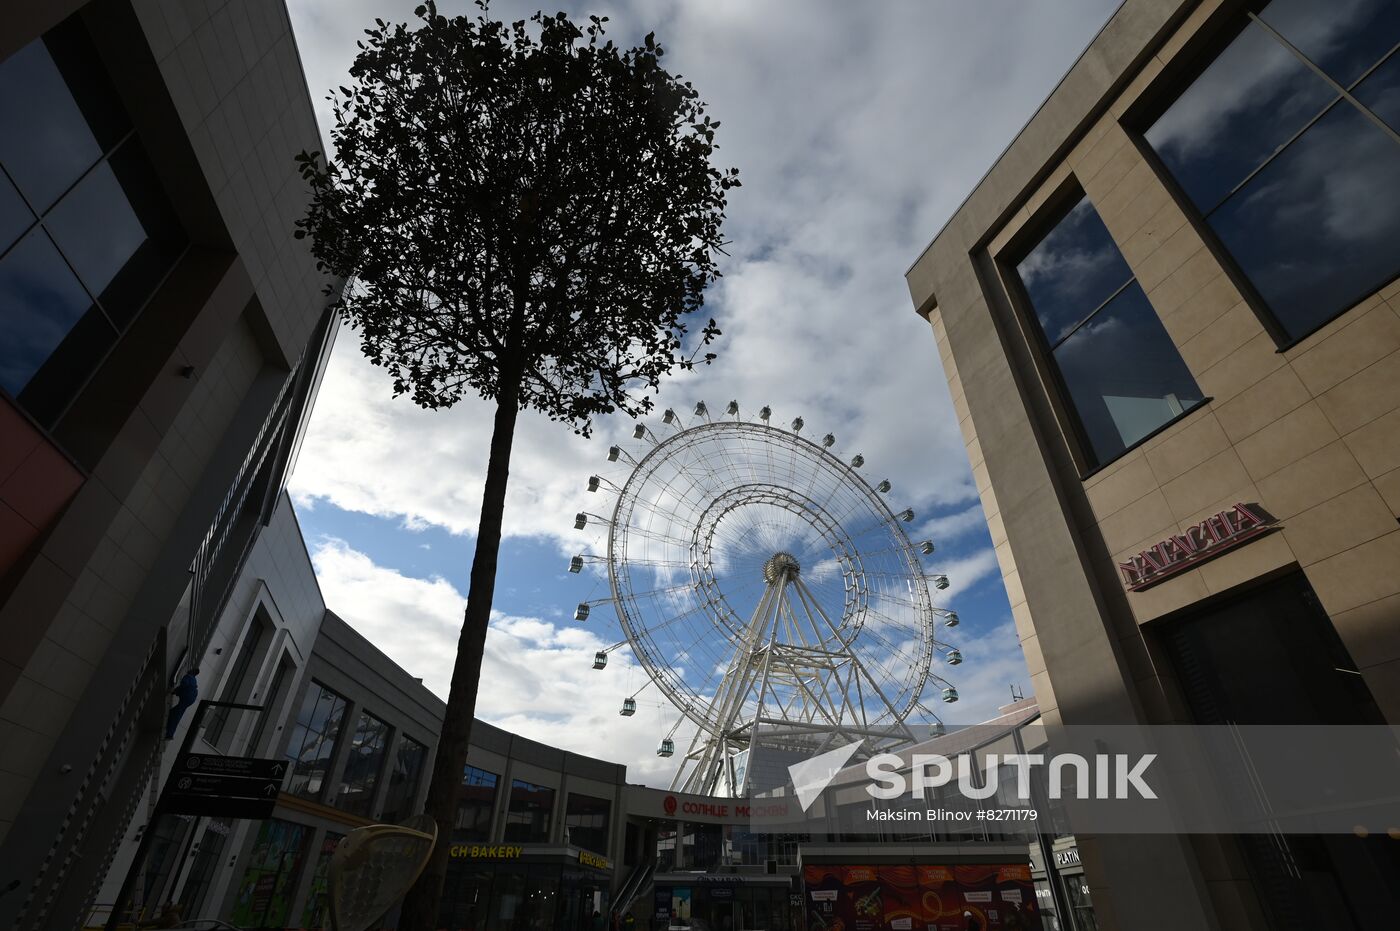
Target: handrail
<point>634,885</point>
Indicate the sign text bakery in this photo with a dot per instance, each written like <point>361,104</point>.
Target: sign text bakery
<point>1206,540</point>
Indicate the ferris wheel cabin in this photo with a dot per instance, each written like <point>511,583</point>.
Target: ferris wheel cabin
<point>600,660</point>
<point>629,707</point>
<point>667,748</point>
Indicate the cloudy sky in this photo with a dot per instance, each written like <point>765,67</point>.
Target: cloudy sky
<point>857,128</point>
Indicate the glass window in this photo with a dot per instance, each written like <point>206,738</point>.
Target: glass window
<point>208,859</point>
<point>312,741</point>
<point>1246,105</point>
<point>475,803</point>
<point>409,760</point>
<point>1321,228</point>
<point>69,159</point>
<point>1381,92</point>
<point>41,303</point>
<point>1072,271</point>
<point>531,807</point>
<point>45,142</point>
<point>587,819</point>
<point>362,765</point>
<point>1123,375</point>
<point>237,686</point>
<point>1345,40</point>
<point>269,882</point>
<point>1296,181</point>
<point>15,215</point>
<point>98,203</point>
<point>316,913</point>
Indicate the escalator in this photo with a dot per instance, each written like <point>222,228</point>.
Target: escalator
<point>637,884</point>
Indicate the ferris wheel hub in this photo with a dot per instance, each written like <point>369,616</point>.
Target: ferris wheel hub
<point>781,565</point>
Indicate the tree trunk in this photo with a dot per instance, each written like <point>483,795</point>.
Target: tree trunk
<point>421,906</point>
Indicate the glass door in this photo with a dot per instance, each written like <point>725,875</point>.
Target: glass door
<point>1081,904</point>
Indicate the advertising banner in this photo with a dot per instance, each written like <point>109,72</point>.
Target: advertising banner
<point>990,897</point>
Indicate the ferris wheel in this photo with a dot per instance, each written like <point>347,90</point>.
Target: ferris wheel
<point>768,592</point>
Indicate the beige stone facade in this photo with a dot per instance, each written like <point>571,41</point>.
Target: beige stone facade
<point>1310,431</point>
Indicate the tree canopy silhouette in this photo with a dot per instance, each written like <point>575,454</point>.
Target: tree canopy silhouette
<point>527,212</point>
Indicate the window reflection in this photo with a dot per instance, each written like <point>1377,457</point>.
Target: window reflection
<point>40,302</point>
<point>1319,228</point>
<point>15,217</point>
<point>1351,37</point>
<point>1250,101</point>
<point>1298,182</point>
<point>70,162</point>
<point>1073,270</point>
<point>1124,374</point>
<point>1381,91</point>
<point>409,760</point>
<point>529,814</point>
<point>362,765</point>
<point>45,143</point>
<point>97,204</point>
<point>312,742</point>
<point>475,803</point>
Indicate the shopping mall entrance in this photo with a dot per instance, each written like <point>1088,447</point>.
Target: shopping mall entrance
<point>1272,656</point>
<point>721,902</point>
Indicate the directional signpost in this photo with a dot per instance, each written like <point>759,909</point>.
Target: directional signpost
<point>208,785</point>
<point>223,786</point>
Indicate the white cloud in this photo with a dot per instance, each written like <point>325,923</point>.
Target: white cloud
<point>856,134</point>
<point>537,678</point>
<point>992,664</point>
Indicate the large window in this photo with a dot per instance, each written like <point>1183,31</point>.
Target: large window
<point>312,741</point>
<point>235,689</point>
<point>531,807</point>
<point>1122,374</point>
<point>587,820</point>
<point>270,878</point>
<point>85,230</point>
<point>1286,144</point>
<point>362,765</point>
<point>409,761</point>
<point>475,804</point>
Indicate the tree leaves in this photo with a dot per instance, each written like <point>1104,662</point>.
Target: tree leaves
<point>518,202</point>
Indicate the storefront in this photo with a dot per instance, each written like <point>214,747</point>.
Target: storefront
<point>518,887</point>
<point>1067,875</point>
<point>920,897</point>
<point>722,902</point>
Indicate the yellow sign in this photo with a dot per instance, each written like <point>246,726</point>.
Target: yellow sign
<point>592,859</point>
<point>486,851</point>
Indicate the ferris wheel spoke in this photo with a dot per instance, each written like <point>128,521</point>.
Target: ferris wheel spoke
<point>757,579</point>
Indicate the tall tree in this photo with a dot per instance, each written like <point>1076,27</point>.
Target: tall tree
<point>529,213</point>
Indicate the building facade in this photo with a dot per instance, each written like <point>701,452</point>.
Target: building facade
<point>1170,322</point>
<point>163,333</point>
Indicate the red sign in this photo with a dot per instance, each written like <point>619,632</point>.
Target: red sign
<point>1206,540</point>
<point>669,804</point>
<point>954,897</point>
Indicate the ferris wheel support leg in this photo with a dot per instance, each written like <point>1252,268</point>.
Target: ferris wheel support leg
<point>755,738</point>
<point>859,668</point>
<point>730,695</point>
